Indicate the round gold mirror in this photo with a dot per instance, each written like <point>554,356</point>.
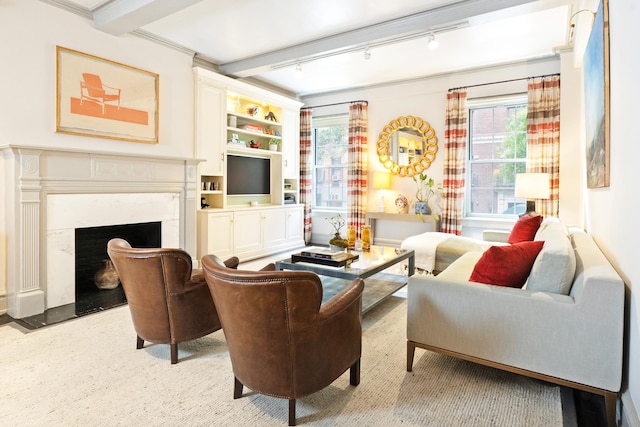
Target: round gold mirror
<point>407,146</point>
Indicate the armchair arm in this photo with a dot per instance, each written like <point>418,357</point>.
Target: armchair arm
<point>495,235</point>
<point>343,299</point>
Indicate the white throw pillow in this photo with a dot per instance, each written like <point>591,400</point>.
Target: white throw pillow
<point>555,265</point>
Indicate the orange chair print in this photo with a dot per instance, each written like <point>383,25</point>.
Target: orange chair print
<point>92,89</point>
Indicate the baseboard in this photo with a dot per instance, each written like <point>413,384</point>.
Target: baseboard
<point>629,415</point>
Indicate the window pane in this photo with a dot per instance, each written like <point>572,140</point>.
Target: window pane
<point>331,144</point>
<point>497,151</point>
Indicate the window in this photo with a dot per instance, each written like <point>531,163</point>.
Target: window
<point>497,151</point>
<point>331,150</point>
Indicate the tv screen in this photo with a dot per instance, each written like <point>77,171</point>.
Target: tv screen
<point>248,175</point>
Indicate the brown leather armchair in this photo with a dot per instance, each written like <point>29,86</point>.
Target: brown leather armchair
<point>282,341</point>
<point>169,302</point>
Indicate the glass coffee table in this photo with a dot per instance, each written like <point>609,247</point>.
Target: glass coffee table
<point>370,266</point>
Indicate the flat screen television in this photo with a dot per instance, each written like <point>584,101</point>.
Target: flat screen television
<point>248,175</point>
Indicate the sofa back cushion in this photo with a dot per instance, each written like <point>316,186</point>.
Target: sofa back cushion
<point>506,265</point>
<point>555,266</point>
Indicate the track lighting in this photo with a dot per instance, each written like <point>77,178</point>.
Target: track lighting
<point>432,43</point>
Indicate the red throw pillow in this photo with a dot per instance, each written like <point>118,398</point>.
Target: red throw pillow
<point>525,229</point>
<point>506,265</point>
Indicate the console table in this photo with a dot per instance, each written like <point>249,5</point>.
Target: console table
<point>372,217</point>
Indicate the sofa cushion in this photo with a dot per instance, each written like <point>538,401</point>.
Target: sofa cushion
<point>524,230</point>
<point>506,265</point>
<point>555,266</point>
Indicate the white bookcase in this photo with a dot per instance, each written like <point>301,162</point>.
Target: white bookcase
<point>237,119</point>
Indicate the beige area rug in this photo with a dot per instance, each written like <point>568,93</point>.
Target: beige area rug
<point>87,372</point>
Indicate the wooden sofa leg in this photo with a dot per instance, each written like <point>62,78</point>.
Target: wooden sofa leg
<point>354,374</point>
<point>411,350</point>
<point>139,342</point>
<point>610,403</point>
<point>237,388</point>
<point>174,353</point>
<point>292,412</point>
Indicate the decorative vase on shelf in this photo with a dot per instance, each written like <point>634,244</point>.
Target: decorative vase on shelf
<point>422,208</point>
<point>107,276</point>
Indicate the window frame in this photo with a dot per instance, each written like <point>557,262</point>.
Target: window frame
<point>511,100</point>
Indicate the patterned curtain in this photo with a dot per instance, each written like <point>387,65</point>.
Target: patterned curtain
<point>357,169</point>
<point>543,137</point>
<point>455,144</point>
<point>306,169</point>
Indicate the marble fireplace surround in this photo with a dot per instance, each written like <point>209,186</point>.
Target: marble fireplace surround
<point>50,192</point>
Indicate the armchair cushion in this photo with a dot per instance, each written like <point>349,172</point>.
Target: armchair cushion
<point>506,265</point>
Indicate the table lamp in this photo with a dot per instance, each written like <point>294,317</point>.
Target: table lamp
<point>532,186</point>
<point>381,181</point>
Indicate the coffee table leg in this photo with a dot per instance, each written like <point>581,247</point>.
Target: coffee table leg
<point>412,266</point>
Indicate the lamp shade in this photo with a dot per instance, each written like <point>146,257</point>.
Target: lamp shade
<point>532,185</point>
<point>382,180</point>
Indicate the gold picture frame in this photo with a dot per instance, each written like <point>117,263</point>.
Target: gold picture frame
<point>105,99</point>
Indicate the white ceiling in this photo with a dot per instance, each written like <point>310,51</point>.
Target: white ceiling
<point>266,39</point>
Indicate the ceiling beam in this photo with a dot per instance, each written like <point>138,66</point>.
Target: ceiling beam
<point>119,17</point>
<point>419,22</point>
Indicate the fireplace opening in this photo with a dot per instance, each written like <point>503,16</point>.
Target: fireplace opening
<point>91,251</point>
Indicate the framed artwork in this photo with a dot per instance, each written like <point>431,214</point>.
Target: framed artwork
<point>105,99</point>
<point>596,99</point>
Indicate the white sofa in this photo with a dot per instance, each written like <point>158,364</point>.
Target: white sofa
<point>573,339</point>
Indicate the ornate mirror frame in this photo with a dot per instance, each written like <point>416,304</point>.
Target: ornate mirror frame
<point>385,148</point>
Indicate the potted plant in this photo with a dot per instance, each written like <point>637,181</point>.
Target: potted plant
<point>273,144</point>
<point>426,188</point>
<point>337,222</point>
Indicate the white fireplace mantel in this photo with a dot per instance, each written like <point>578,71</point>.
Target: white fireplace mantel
<point>32,174</point>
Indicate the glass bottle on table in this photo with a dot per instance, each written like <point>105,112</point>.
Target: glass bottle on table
<point>366,237</point>
<point>351,236</point>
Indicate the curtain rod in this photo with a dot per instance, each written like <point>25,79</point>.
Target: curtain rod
<point>504,81</point>
<point>331,105</point>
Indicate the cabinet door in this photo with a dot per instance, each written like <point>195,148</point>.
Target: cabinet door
<point>295,223</point>
<point>274,227</point>
<point>216,234</point>
<point>291,144</point>
<point>211,118</point>
<point>247,235</point>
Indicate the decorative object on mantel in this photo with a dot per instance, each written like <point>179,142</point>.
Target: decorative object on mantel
<point>105,99</point>
<point>426,188</point>
<point>402,204</point>
<point>254,144</point>
<point>107,277</point>
<point>337,222</point>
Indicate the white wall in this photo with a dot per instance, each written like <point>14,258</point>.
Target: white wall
<point>426,98</point>
<point>30,31</point>
<point>612,213</point>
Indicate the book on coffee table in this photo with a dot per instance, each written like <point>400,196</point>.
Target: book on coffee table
<point>340,260</point>
<point>322,253</point>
